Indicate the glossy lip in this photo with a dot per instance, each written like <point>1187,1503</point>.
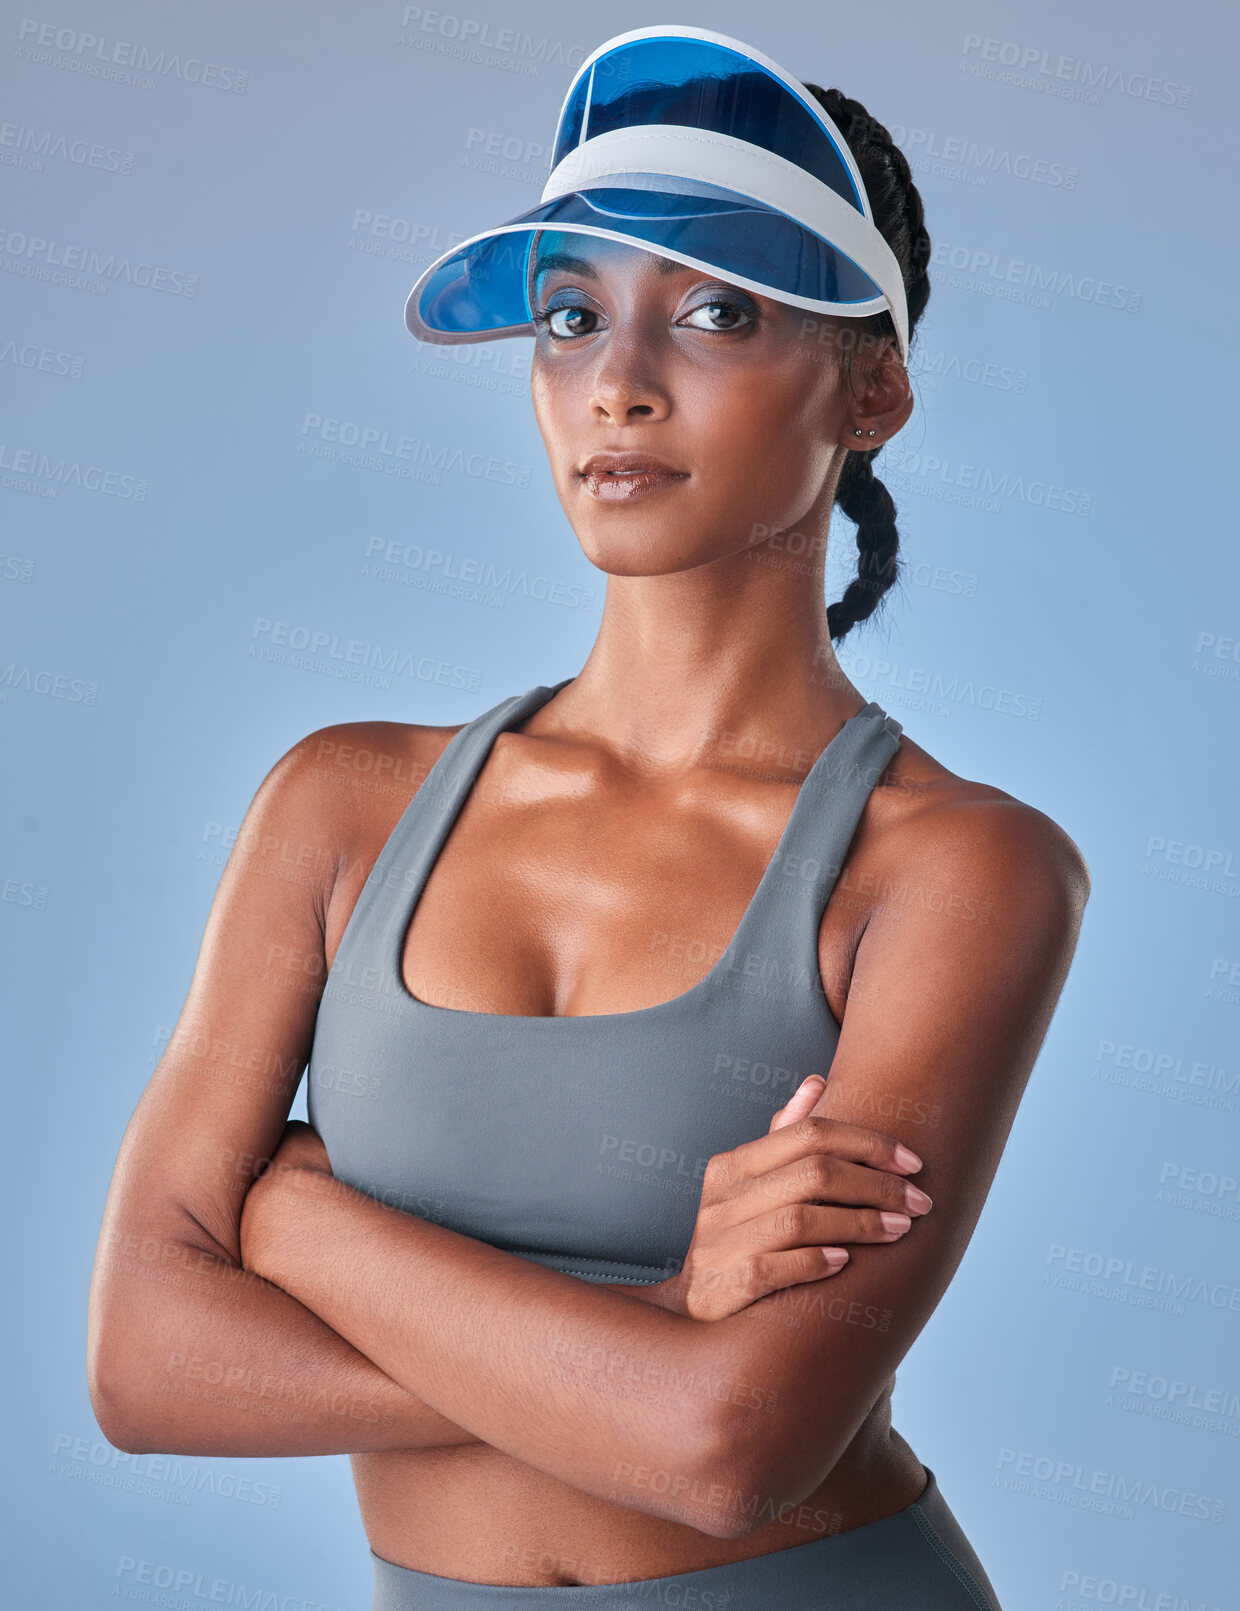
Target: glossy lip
<point>610,463</point>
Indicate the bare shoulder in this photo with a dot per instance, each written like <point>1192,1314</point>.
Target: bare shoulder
<point>959,833</point>
<point>361,772</point>
<point>330,803</point>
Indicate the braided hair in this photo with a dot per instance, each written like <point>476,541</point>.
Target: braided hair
<point>899,215</point>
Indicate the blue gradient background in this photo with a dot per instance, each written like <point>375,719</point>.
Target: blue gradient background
<point>1117,625</point>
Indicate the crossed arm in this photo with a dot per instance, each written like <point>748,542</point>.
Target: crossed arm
<point>454,1340</point>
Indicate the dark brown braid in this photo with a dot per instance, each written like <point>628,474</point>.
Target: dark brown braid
<point>899,214</point>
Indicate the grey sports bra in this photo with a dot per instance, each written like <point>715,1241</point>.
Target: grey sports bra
<point>578,1142</point>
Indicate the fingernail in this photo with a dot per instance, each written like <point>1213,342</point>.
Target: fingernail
<point>917,1200</point>
<point>907,1159</point>
<point>835,1256</point>
<point>895,1222</point>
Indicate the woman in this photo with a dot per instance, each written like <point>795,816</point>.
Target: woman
<point>582,1258</point>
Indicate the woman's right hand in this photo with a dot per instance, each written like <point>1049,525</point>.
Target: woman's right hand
<point>775,1210</point>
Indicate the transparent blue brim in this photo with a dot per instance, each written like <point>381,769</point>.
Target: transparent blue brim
<point>483,287</point>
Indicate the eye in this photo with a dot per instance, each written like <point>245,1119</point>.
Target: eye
<point>728,307</point>
<point>569,313</point>
<point>559,333</point>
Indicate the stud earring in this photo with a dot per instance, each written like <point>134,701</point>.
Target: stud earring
<point>857,431</point>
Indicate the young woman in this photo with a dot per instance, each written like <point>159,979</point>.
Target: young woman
<point>585,1261</point>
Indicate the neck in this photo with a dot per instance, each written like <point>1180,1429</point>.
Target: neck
<point>731,657</point>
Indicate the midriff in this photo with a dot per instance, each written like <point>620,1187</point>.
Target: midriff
<point>470,1511</point>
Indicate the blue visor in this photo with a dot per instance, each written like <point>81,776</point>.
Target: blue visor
<point>700,84</point>
<point>747,179</point>
<point>483,288</point>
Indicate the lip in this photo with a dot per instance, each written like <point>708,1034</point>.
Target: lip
<point>613,463</point>
<point>617,477</point>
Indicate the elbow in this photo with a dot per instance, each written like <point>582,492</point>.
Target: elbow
<point>725,1479</point>
<point>117,1424</point>
<point>113,1415</point>
<point>680,1473</point>
<point>117,1405</point>
<point>750,1476</point>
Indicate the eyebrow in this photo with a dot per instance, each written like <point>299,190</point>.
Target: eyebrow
<point>581,265</point>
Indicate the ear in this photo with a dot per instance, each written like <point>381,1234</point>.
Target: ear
<point>883,397</point>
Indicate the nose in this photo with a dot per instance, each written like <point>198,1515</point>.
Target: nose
<point>626,384</point>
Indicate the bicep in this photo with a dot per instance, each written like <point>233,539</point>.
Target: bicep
<point>955,982</point>
<point>222,1090</point>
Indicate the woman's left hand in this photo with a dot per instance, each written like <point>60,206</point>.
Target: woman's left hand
<point>291,1170</point>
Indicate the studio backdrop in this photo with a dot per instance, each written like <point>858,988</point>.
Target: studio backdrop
<point>240,502</point>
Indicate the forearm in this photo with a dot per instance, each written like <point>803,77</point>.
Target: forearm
<point>193,1355</point>
<point>581,1381</point>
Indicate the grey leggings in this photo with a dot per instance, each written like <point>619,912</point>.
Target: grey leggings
<point>917,1560</point>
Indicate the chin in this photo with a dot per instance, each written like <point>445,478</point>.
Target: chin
<point>647,554</point>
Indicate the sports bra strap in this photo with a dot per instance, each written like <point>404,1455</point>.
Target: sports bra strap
<point>377,925</point>
<point>781,926</point>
